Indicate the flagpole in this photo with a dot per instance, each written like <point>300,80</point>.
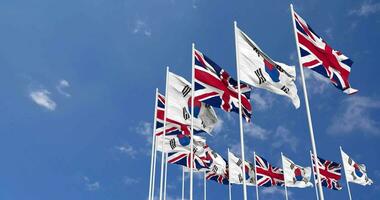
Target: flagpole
<point>229,182</point>
<point>312,170</point>
<point>314,148</point>
<point>286,189</point>
<point>183,183</point>
<point>192,121</point>
<point>204,186</point>
<point>166,174</point>
<point>151,188</point>
<point>257,185</point>
<point>162,144</point>
<point>344,169</point>
<point>240,113</point>
<point>154,168</point>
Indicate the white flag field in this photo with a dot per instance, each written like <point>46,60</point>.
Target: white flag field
<point>259,70</point>
<point>355,173</point>
<point>295,175</point>
<point>179,105</point>
<point>236,172</point>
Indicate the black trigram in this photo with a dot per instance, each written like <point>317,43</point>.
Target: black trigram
<point>186,114</point>
<point>172,143</point>
<point>285,89</point>
<point>195,149</point>
<point>260,76</point>
<point>186,90</point>
<point>240,178</point>
<point>215,169</point>
<point>239,162</point>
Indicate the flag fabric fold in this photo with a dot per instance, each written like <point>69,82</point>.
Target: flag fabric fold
<point>295,175</point>
<point>355,173</point>
<point>236,172</point>
<point>214,86</point>
<point>330,173</point>
<point>267,174</point>
<point>259,70</point>
<point>179,107</point>
<point>318,56</point>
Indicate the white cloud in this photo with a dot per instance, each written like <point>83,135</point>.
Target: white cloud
<point>61,86</point>
<point>91,186</point>
<point>127,149</point>
<point>283,137</point>
<point>366,8</point>
<point>262,101</point>
<point>41,98</point>
<point>255,131</point>
<point>218,127</point>
<point>274,191</point>
<point>141,27</point>
<point>130,181</point>
<point>355,114</point>
<point>145,129</point>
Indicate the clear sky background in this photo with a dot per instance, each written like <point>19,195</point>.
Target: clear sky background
<point>77,88</point>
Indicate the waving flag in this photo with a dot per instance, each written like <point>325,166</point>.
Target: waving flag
<point>179,107</point>
<point>259,70</point>
<point>355,173</point>
<point>330,173</point>
<point>295,175</point>
<point>172,127</point>
<point>181,142</point>
<point>268,175</point>
<point>236,172</point>
<point>215,87</point>
<point>218,169</point>
<point>317,55</point>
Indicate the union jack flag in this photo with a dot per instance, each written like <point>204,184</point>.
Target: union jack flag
<point>317,55</point>
<point>330,173</point>
<point>183,158</point>
<point>215,87</point>
<point>268,175</point>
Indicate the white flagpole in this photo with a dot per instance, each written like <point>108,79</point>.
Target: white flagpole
<point>257,185</point>
<point>162,144</point>
<point>286,189</point>
<point>314,148</point>
<point>152,162</point>
<point>240,112</point>
<point>204,186</point>
<point>166,174</point>
<point>229,183</point>
<point>344,170</point>
<point>192,122</point>
<point>154,169</point>
<point>183,183</point>
<point>312,170</point>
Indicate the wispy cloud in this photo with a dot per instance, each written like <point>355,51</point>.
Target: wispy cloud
<point>283,137</point>
<point>145,129</point>
<point>141,27</point>
<point>256,131</point>
<point>91,186</point>
<point>130,180</point>
<point>127,149</point>
<point>366,8</point>
<point>61,86</point>
<point>355,114</point>
<point>274,191</point>
<point>317,84</point>
<point>41,97</point>
<point>262,101</point>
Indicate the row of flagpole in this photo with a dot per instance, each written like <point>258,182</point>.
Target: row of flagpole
<point>163,173</point>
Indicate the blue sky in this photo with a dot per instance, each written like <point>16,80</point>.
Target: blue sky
<point>78,80</point>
